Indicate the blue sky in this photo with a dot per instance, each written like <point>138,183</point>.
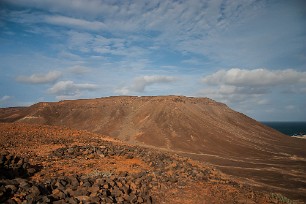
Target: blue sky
<point>248,54</point>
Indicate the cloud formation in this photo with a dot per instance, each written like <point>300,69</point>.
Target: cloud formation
<point>255,77</point>
<point>74,23</point>
<point>77,69</point>
<point>226,32</point>
<point>70,88</point>
<point>40,78</point>
<point>241,86</point>
<point>140,83</point>
<point>4,99</point>
<point>75,6</point>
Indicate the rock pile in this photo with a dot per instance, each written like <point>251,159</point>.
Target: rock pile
<point>94,188</point>
<point>165,168</point>
<point>12,166</point>
<point>98,186</point>
<point>74,189</point>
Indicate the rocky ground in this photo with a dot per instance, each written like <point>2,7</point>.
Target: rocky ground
<point>43,164</point>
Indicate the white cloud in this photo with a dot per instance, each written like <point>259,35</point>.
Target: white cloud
<point>230,33</point>
<point>98,45</point>
<point>228,89</point>
<point>67,6</point>
<point>255,77</point>
<point>77,69</point>
<point>140,83</point>
<point>192,61</point>
<point>263,102</point>
<point>247,90</point>
<point>234,95</point>
<point>123,91</point>
<point>74,22</point>
<point>70,88</point>
<point>69,97</point>
<point>68,55</point>
<point>4,99</point>
<point>79,41</point>
<point>40,78</point>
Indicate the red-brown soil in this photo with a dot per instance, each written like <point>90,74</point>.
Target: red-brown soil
<point>40,143</point>
<point>198,128</point>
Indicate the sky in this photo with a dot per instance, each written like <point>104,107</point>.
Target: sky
<point>248,54</point>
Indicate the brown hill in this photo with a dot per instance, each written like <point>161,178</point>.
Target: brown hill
<point>196,127</point>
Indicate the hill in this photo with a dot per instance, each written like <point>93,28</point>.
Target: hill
<point>197,125</point>
<point>198,128</point>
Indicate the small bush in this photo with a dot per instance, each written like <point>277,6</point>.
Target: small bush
<point>281,198</point>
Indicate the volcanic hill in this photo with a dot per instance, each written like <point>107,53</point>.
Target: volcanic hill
<point>198,128</point>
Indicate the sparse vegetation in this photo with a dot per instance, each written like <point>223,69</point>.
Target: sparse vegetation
<point>281,198</point>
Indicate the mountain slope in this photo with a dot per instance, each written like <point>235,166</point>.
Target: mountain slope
<point>197,125</point>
